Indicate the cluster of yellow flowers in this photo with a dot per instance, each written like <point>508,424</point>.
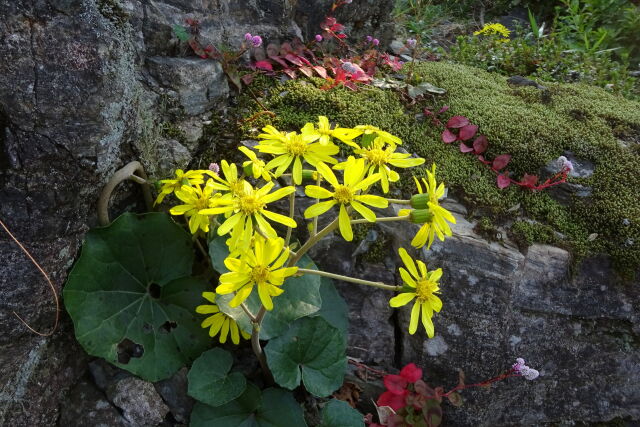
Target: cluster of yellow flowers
<point>490,29</point>
<point>230,204</point>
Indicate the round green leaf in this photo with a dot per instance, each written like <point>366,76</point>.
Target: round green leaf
<point>338,413</point>
<point>210,381</point>
<point>271,408</point>
<point>131,297</point>
<point>310,349</point>
<point>334,308</point>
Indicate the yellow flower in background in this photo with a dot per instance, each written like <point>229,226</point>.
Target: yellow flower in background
<point>259,266</point>
<point>271,134</point>
<point>346,194</point>
<point>220,322</point>
<point>378,158</point>
<point>231,183</point>
<point>437,225</point>
<point>324,133</point>
<point>295,148</point>
<point>384,136</point>
<point>258,168</point>
<point>195,199</point>
<point>424,287</point>
<point>491,29</point>
<point>248,209</point>
<point>191,177</point>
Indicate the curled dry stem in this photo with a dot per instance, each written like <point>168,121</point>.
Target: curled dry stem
<point>132,171</point>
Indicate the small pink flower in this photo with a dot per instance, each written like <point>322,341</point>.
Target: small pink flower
<point>369,39</point>
<point>248,37</point>
<point>375,42</point>
<point>213,167</point>
<point>256,41</point>
<point>412,43</point>
<point>318,38</point>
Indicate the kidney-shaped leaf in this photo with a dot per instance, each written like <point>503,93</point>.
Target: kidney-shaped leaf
<point>131,297</point>
<point>311,350</point>
<point>210,381</point>
<point>457,122</point>
<point>273,407</point>
<point>338,413</point>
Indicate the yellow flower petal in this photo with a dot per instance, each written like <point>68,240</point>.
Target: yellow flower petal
<point>344,223</point>
<point>401,299</point>
<point>285,220</point>
<point>317,192</point>
<point>318,208</point>
<point>426,320</point>
<point>371,200</point>
<point>415,314</point>
<point>406,259</point>
<point>364,211</point>
<point>265,298</point>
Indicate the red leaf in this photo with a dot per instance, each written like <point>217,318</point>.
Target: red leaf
<point>306,71</point>
<point>529,180</point>
<point>467,132</point>
<point>457,122</point>
<point>289,72</point>
<point>448,137</point>
<point>503,180</point>
<point>293,59</point>
<point>322,72</point>
<point>264,65</point>
<point>279,60</point>
<point>443,109</point>
<point>464,148</point>
<point>395,401</point>
<point>395,384</point>
<point>411,373</point>
<point>480,144</point>
<point>501,161</point>
<point>247,79</point>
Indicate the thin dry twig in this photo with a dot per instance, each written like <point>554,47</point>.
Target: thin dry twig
<point>46,276</point>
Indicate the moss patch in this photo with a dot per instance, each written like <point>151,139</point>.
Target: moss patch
<point>583,119</point>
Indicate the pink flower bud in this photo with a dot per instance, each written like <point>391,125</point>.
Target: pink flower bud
<point>213,167</point>
<point>318,38</point>
<point>369,39</point>
<point>248,37</point>
<point>412,43</point>
<point>375,42</point>
<point>256,41</point>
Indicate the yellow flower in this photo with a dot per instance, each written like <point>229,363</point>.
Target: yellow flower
<point>379,157</point>
<point>220,322</point>
<point>293,149</point>
<point>247,208</point>
<point>195,199</point>
<point>346,194</point>
<point>324,133</point>
<point>490,29</point>
<point>192,177</point>
<point>259,266</point>
<point>438,223</point>
<point>424,286</point>
<point>231,184</point>
<point>258,168</point>
<point>384,136</point>
<point>272,134</point>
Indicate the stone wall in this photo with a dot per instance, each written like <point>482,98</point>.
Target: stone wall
<point>85,87</point>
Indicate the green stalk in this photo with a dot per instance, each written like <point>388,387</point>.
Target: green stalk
<point>257,349</point>
<point>379,285</point>
<point>383,219</point>
<point>292,203</point>
<point>312,241</point>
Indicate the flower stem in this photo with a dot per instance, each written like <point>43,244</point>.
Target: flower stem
<point>314,231</point>
<point>383,219</point>
<point>379,285</point>
<point>257,349</point>
<point>312,241</point>
<point>292,203</point>
<point>400,201</point>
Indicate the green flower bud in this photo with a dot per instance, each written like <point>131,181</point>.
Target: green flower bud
<point>419,201</point>
<point>420,216</point>
<point>308,174</point>
<point>248,170</point>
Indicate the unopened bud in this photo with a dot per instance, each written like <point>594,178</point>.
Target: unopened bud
<point>419,201</point>
<point>248,169</point>
<point>420,216</point>
<point>308,174</point>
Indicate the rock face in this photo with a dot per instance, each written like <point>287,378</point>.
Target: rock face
<point>85,87</point>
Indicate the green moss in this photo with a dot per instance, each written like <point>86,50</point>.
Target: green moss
<point>583,119</point>
<point>527,233</point>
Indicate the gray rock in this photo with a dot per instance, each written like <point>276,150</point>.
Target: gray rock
<point>564,193</point>
<point>171,155</point>
<point>140,403</point>
<point>200,84</point>
<point>174,392</point>
<point>87,406</point>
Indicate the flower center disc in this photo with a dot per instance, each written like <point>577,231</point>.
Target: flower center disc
<point>250,204</point>
<point>260,273</point>
<point>377,156</point>
<point>424,289</point>
<point>296,145</point>
<point>343,194</point>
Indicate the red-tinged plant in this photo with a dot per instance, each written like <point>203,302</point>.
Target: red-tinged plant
<point>459,128</point>
<point>411,402</point>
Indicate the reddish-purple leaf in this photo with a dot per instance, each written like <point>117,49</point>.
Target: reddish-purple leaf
<point>247,79</point>
<point>289,72</point>
<point>264,65</point>
<point>529,180</point>
<point>448,137</point>
<point>322,72</point>
<point>293,59</point>
<point>503,180</point>
<point>306,71</point>
<point>457,122</point>
<point>279,60</point>
<point>464,148</point>
<point>427,112</point>
<point>480,144</point>
<point>443,109</point>
<point>501,161</point>
<point>467,132</point>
